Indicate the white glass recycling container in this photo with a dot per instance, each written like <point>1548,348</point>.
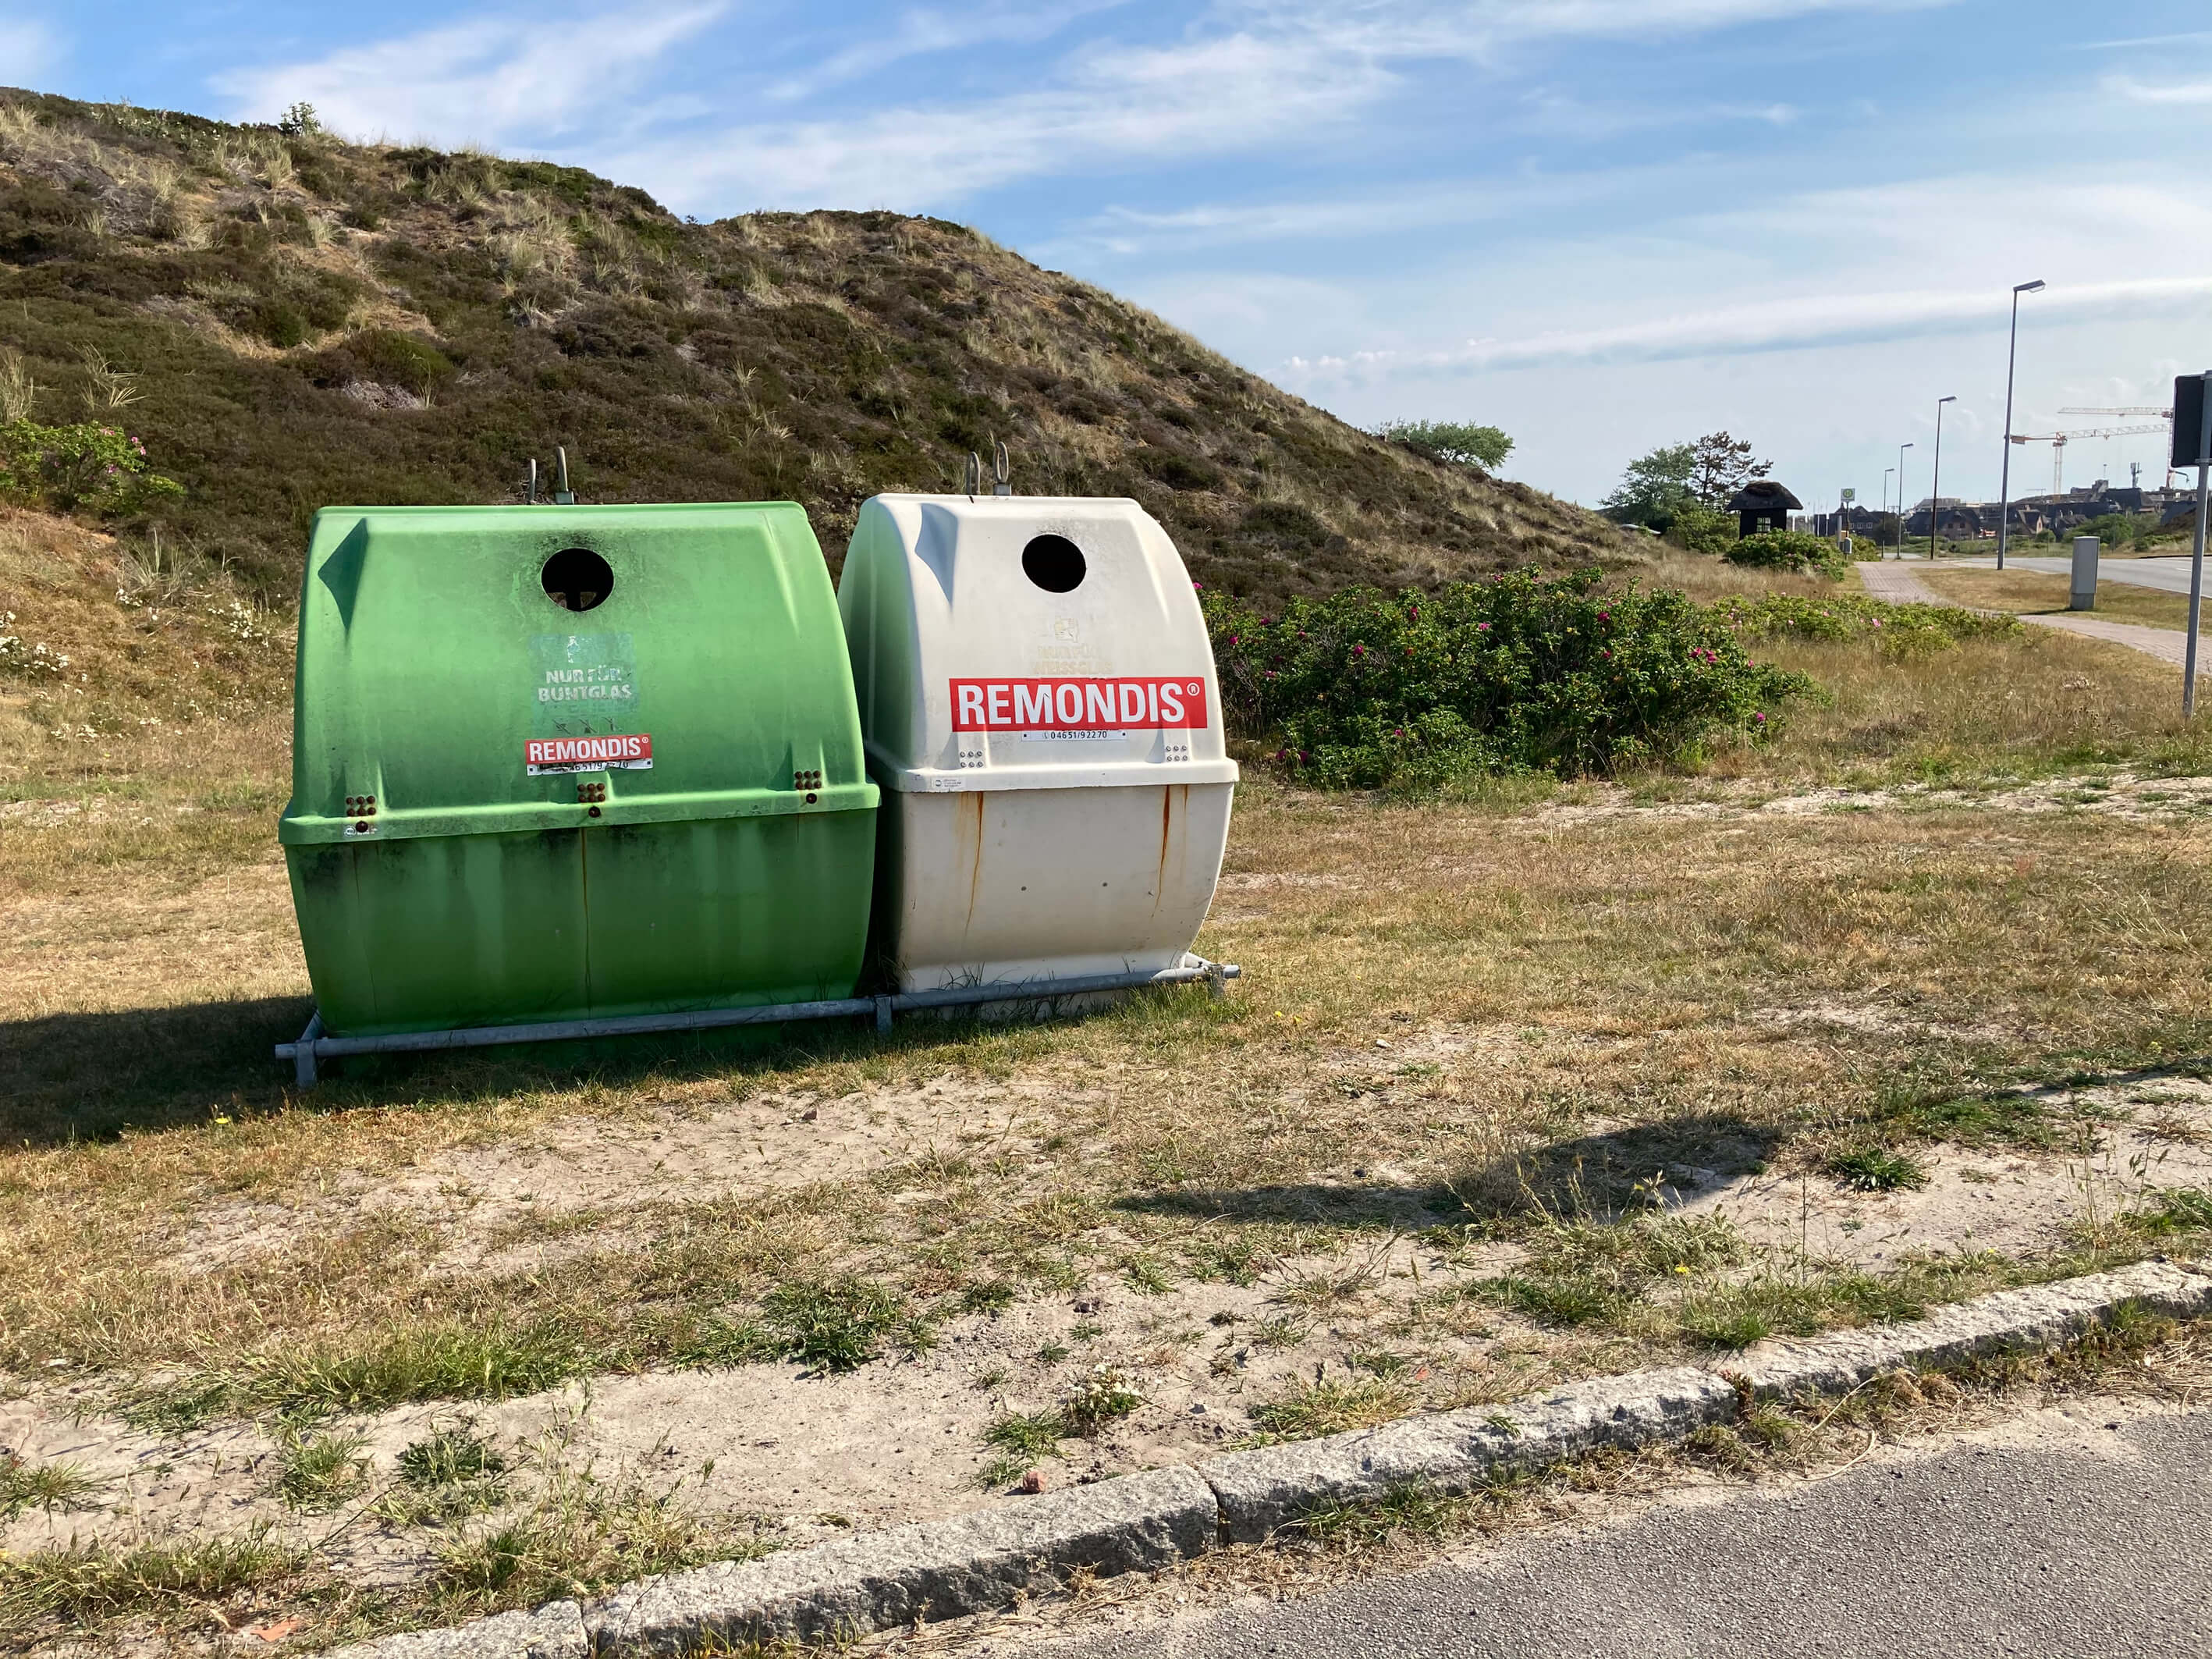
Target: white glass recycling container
<point>1039,706</point>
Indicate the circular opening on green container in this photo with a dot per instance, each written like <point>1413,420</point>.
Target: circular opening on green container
<point>576,579</point>
<point>1054,563</point>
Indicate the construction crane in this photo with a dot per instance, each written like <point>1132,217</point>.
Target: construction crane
<point>2166,415</point>
<point>2057,442</point>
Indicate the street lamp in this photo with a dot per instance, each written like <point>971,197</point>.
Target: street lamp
<point>1935,484</point>
<point>1901,448</point>
<point>2004,472</point>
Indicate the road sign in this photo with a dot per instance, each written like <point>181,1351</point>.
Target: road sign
<point>2191,392</point>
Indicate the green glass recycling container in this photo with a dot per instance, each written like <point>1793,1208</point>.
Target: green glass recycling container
<point>571,762</point>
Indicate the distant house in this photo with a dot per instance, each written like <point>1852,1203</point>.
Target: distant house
<point>1960,522</point>
<point>1763,504</point>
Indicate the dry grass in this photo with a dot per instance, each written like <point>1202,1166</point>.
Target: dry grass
<point>1479,1020</point>
<point>1549,983</point>
<point>2030,592</point>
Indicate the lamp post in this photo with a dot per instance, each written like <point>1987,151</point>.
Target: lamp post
<point>2004,471</point>
<point>1935,482</point>
<point>1901,448</point>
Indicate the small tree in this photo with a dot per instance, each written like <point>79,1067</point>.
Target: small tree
<point>1654,488</point>
<point>299,121</point>
<point>1477,448</point>
<point>1721,465</point>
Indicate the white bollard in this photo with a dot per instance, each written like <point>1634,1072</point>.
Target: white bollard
<point>2085,573</point>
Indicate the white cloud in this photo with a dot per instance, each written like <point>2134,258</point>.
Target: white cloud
<point>27,51</point>
<point>1249,76</point>
<point>922,33</point>
<point>1108,107</point>
<point>2169,92</point>
<point>491,80</point>
<point>1794,324</point>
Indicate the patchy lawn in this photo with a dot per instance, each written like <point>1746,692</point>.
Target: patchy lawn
<point>1543,1080</point>
<point>2030,592</point>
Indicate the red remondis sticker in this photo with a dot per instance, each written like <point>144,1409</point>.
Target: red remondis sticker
<point>630,751</point>
<point>1079,705</point>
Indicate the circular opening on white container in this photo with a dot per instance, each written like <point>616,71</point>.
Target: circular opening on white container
<point>1054,563</point>
<point>576,579</point>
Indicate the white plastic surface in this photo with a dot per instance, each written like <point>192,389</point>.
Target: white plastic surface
<point>1057,784</point>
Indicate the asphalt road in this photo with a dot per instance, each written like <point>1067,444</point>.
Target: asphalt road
<point>2072,1539</point>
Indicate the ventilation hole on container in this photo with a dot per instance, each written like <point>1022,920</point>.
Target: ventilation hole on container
<point>1054,563</point>
<point>576,579</point>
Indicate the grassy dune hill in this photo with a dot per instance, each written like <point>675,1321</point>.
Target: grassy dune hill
<point>288,320</point>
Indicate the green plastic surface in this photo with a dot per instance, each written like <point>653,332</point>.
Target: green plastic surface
<point>734,871</point>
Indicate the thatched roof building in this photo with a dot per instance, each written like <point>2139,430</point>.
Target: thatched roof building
<point>1763,504</point>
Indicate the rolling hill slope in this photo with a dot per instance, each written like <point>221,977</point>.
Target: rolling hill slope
<point>289,320</point>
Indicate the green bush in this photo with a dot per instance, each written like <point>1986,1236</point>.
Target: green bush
<point>1702,529</point>
<point>62,468</point>
<point>1788,550</point>
<point>1520,673</point>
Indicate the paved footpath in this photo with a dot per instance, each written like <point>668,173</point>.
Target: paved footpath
<point>1896,582</point>
<point>2058,1537</point>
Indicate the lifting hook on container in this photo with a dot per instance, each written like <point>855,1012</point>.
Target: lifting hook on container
<point>1001,472</point>
<point>562,495</point>
<point>971,484</point>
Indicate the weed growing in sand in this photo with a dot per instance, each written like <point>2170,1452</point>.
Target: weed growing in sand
<point>1102,1396</point>
<point>316,1472</point>
<point>1415,1509</point>
<point>25,1486</point>
<point>88,1585</point>
<point>838,1325</point>
<point>449,1457</point>
<point>1327,1405</point>
<point>578,1533</point>
<point>1878,1169</point>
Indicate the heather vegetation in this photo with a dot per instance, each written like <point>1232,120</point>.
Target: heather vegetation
<point>294,321</point>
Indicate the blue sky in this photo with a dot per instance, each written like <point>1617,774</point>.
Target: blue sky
<point>1601,224</point>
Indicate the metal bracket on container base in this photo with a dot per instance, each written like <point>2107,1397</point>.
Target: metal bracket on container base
<point>313,1047</point>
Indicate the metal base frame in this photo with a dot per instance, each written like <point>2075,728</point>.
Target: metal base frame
<point>312,1047</point>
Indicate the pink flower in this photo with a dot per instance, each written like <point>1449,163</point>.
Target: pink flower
<point>1482,627</point>
<point>1761,718</point>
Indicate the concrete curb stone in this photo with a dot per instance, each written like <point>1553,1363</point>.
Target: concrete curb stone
<point>1142,1522</point>
<point>926,1569</point>
<point>1260,1490</point>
